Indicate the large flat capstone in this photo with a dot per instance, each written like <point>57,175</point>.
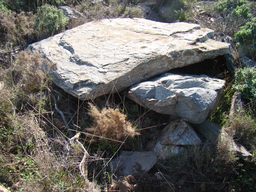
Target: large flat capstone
<point>109,55</point>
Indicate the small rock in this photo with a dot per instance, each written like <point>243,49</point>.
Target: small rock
<point>247,62</point>
<point>173,138</point>
<point>133,162</point>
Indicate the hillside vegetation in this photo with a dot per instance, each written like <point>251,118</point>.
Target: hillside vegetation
<point>51,141</point>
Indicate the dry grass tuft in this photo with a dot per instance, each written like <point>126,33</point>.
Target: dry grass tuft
<point>16,29</point>
<point>242,127</point>
<point>224,153</point>
<point>28,67</point>
<point>111,123</point>
<point>25,75</point>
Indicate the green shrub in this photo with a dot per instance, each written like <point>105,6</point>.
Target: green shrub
<point>239,10</point>
<point>49,21</point>
<point>242,11</point>
<point>246,38</point>
<point>247,33</point>
<point>228,5</point>
<point>3,8</point>
<point>245,82</point>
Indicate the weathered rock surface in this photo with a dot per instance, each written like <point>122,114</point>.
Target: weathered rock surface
<point>70,12</point>
<point>236,107</point>
<point>247,62</point>
<point>173,138</point>
<point>190,97</point>
<point>133,162</point>
<point>109,55</point>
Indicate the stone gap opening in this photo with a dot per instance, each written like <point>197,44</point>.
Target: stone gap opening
<point>211,67</point>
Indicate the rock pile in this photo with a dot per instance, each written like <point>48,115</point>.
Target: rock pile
<point>110,55</point>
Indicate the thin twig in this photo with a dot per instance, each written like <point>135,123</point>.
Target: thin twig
<point>59,111</point>
<point>83,164</point>
<point>166,180</point>
<point>151,127</point>
<point>89,134</point>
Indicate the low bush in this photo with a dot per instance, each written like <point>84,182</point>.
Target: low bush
<point>16,29</point>
<point>229,5</point>
<point>49,21</point>
<point>233,14</point>
<point>3,8</point>
<point>245,82</point>
<point>246,38</point>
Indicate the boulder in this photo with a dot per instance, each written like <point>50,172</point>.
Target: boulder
<point>133,163</point>
<point>190,97</point>
<point>109,55</point>
<point>174,137</point>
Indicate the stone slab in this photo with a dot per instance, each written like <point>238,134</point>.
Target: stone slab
<point>109,55</point>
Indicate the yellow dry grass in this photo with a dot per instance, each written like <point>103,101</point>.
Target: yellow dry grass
<point>111,123</point>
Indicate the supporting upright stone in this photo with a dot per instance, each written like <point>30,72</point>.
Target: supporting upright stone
<point>190,97</point>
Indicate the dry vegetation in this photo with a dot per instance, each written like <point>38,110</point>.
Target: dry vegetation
<point>111,123</point>
<point>42,149</point>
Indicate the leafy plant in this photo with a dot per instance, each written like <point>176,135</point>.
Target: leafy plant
<point>246,38</point>
<point>3,8</point>
<point>49,21</point>
<point>229,5</point>
<point>242,11</point>
<point>181,15</point>
<point>245,82</point>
